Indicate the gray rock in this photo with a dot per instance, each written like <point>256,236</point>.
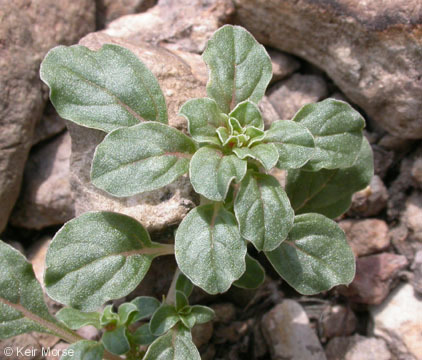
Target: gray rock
<point>45,198</point>
<point>288,334</point>
<point>22,342</point>
<point>337,320</point>
<point>412,216</point>
<point>27,31</point>
<point>288,96</point>
<point>49,125</point>
<point>371,200</point>
<point>417,272</point>
<point>357,347</point>
<point>369,48</point>
<point>268,112</point>
<point>283,64</point>
<point>186,23</point>
<point>366,236</point>
<point>398,321</point>
<point>375,276</point>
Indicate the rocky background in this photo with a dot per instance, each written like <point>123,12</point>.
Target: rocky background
<point>367,53</point>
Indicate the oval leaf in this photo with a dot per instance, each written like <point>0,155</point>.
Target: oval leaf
<point>84,350</point>
<point>263,211</point>
<point>142,335</point>
<point>248,114</point>
<point>337,129</point>
<point>315,257</point>
<point>184,285</point>
<point>22,307</point>
<point>203,314</point>
<point>204,118</point>
<point>254,275</point>
<point>175,345</point>
<point>329,192</point>
<point>240,68</point>
<point>209,249</point>
<point>104,89</point>
<point>141,158</point>
<point>100,256</point>
<point>211,172</point>
<point>146,305</point>
<point>75,319</point>
<point>164,318</point>
<point>294,143</point>
<point>116,341</point>
<point>266,154</point>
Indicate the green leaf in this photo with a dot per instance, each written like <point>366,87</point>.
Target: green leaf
<point>146,307</point>
<point>184,285</point>
<point>108,316</point>
<point>337,130</point>
<point>126,313</point>
<point>203,314</point>
<point>116,341</point>
<point>209,249</point>
<point>204,118</point>
<point>294,142</point>
<point>75,319</point>
<point>84,350</point>
<point>143,336</point>
<point>248,114</point>
<point>188,320</point>
<point>211,172</point>
<point>164,318</point>
<point>104,89</point>
<point>315,257</point>
<point>254,275</point>
<point>141,158</point>
<point>263,211</point>
<point>240,68</point>
<point>175,345</point>
<point>181,300</point>
<point>266,154</point>
<point>100,256</point>
<point>329,192</point>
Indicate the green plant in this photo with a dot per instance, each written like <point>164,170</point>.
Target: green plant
<point>101,256</point>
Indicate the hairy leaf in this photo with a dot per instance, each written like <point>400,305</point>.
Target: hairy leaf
<point>143,336</point>
<point>254,275</point>
<point>248,114</point>
<point>263,211</point>
<point>315,257</point>
<point>126,312</point>
<point>99,256</point>
<point>329,192</point>
<point>294,142</point>
<point>211,172</point>
<point>164,318</point>
<point>204,118</point>
<point>104,89</point>
<point>184,285</point>
<point>141,158</point>
<point>337,129</point>
<point>146,305</point>
<point>203,314</point>
<point>175,345</point>
<point>75,319</point>
<point>266,154</point>
<point>240,68</point>
<point>116,341</point>
<point>181,300</point>
<point>209,249</point>
<point>84,350</point>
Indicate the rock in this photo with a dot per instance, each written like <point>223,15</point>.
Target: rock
<point>108,10</point>
<point>268,112</point>
<point>158,209</point>
<point>231,333</point>
<point>398,190</point>
<point>202,333</point>
<point>283,64</point>
<point>288,96</point>
<point>57,351</point>
<point>369,49</point>
<point>375,275</point>
<point>89,332</point>
<point>398,321</point>
<point>412,216</point>
<point>371,200</point>
<point>288,334</point>
<point>417,272</point>
<point>45,198</point>
<point>20,347</point>
<point>383,159</point>
<point>27,31</point>
<point>337,320</point>
<point>187,23</point>
<point>416,172</point>
<point>394,143</point>
<point>366,236</point>
<point>224,312</point>
<point>357,347</point>
<point>403,243</point>
<point>49,125</point>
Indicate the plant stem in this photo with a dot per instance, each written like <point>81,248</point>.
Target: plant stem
<point>171,295</point>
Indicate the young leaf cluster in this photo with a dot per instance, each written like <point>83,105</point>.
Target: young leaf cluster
<point>229,157</point>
